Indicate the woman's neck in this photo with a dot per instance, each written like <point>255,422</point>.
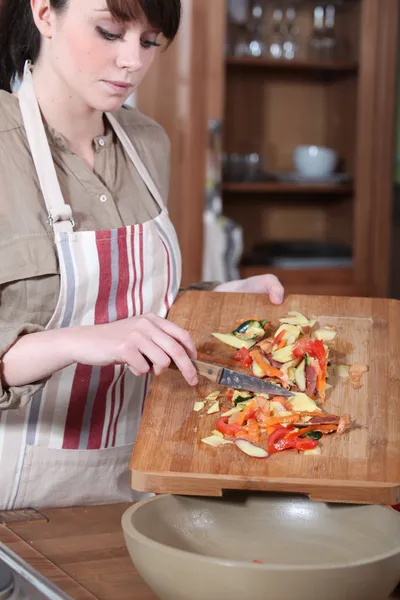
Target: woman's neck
<point>70,116</point>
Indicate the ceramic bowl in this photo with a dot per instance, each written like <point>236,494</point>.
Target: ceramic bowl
<point>190,548</point>
<point>315,161</point>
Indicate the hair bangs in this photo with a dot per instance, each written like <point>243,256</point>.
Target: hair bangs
<point>163,15</point>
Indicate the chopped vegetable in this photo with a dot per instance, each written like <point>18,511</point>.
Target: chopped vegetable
<point>243,356</point>
<point>290,333</point>
<point>241,396</point>
<point>214,408</point>
<point>215,441</point>
<point>213,395</point>
<point>251,449</point>
<point>345,423</point>
<point>262,362</point>
<point>295,357</point>
<point>314,451</point>
<point>249,330</point>
<point>248,413</point>
<point>325,334</point>
<point>226,428</point>
<point>311,380</point>
<point>301,402</point>
<point>284,354</point>
<point>257,371</point>
<point>198,406</point>
<point>315,435</point>
<point>295,318</point>
<point>355,373</point>
<point>266,345</point>
<point>232,340</point>
<point>232,411</point>
<point>301,376</point>
<point>343,371</point>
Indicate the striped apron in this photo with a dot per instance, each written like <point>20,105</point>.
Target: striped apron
<point>72,444</point>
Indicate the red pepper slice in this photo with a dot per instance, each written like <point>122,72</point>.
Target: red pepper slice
<point>243,356</point>
<point>314,348</point>
<point>276,438</point>
<point>279,337</point>
<point>311,380</point>
<point>281,440</point>
<point>305,443</point>
<point>229,394</point>
<point>225,428</point>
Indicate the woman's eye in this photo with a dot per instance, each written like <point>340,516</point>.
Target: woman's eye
<point>149,44</point>
<point>107,35</point>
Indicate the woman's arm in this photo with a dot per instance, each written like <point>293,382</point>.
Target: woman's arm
<point>143,343</point>
<point>36,356</point>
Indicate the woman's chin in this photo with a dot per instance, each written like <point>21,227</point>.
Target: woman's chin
<point>110,104</point>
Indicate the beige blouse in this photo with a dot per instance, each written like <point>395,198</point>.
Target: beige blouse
<point>112,195</point>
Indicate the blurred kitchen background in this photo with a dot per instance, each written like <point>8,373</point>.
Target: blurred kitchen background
<point>285,129</point>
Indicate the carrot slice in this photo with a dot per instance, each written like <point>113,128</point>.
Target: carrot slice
<point>266,368</point>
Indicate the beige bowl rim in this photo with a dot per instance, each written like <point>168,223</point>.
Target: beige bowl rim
<point>127,526</point>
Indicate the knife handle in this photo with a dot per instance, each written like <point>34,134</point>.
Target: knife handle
<point>208,370</point>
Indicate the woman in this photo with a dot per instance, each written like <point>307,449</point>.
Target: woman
<point>89,260</point>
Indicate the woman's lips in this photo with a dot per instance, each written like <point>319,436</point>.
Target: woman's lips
<point>119,87</point>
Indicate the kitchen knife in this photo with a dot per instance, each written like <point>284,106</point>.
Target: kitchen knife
<point>240,381</point>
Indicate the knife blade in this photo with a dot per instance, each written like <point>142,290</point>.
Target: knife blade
<point>240,381</point>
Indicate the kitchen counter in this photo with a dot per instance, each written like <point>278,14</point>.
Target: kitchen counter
<point>81,550</point>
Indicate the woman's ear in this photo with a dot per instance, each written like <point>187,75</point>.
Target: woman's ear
<point>41,11</point>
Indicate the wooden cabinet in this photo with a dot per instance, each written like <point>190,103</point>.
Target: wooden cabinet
<point>269,107</point>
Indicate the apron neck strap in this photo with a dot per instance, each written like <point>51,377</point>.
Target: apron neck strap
<point>60,214</point>
<point>135,158</point>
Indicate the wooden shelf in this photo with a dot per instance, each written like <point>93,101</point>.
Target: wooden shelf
<point>293,65</point>
<point>330,281</point>
<point>277,187</point>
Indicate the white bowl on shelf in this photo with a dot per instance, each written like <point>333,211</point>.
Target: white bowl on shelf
<point>315,162</point>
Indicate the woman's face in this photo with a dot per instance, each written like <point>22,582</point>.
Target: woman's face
<point>99,59</point>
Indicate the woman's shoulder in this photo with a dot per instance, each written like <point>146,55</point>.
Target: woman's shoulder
<point>140,128</point>
<point>10,114</point>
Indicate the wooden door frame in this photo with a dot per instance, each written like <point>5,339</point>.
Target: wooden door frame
<point>377,96</point>
<point>183,92</point>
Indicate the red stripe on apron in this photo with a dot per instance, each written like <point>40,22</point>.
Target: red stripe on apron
<point>101,315</point>
<point>124,277</point>
<point>76,408</point>
<point>141,304</point>
<point>103,243</point>
<point>133,250</point>
<point>122,313</point>
<point>99,408</point>
<point>167,306</point>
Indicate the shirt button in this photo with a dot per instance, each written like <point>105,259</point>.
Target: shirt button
<point>103,198</point>
<point>101,142</point>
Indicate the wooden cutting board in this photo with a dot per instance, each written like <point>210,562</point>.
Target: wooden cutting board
<point>362,466</point>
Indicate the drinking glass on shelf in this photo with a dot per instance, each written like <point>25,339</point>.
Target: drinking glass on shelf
<point>290,44</point>
<point>316,42</point>
<point>276,39</point>
<point>238,15</point>
<point>325,43</point>
<point>257,46</point>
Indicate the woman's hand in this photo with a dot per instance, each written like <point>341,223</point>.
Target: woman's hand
<point>259,284</point>
<point>144,343</point>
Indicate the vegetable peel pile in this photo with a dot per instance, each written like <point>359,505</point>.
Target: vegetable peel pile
<point>296,357</point>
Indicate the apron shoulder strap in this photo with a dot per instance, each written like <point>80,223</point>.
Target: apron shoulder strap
<point>60,213</point>
<point>135,158</point>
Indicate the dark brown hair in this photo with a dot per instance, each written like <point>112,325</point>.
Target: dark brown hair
<point>20,38</point>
